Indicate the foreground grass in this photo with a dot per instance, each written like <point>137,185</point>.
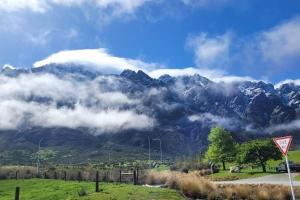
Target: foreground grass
<point>297,179</point>
<point>39,189</point>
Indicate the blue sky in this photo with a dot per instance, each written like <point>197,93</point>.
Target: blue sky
<point>221,39</point>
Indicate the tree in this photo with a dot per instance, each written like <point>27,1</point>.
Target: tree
<point>258,152</point>
<point>222,146</point>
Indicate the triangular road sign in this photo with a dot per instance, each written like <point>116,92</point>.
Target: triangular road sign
<point>283,143</point>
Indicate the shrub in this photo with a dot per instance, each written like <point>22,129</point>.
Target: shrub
<point>82,192</point>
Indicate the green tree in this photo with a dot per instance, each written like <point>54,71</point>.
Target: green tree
<point>258,152</point>
<point>222,146</point>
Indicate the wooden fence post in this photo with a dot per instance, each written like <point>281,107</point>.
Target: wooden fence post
<point>16,175</point>
<point>79,176</point>
<point>134,178</point>
<point>65,175</point>
<point>17,194</point>
<point>120,176</point>
<point>137,175</point>
<point>97,182</point>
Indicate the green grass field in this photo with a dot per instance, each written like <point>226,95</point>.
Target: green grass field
<point>226,175</point>
<point>292,156</point>
<point>256,172</point>
<point>41,189</point>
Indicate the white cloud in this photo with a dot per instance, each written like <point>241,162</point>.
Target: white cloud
<point>118,7</point>
<point>97,59</point>
<point>210,119</point>
<point>185,71</point>
<point>8,66</point>
<point>34,99</point>
<point>230,79</point>
<point>14,113</point>
<point>295,82</point>
<point>101,60</point>
<point>71,34</point>
<point>40,38</point>
<point>263,53</point>
<point>210,51</point>
<point>281,44</point>
<point>121,6</point>
<point>50,87</point>
<point>18,5</point>
<point>283,127</point>
<point>81,116</point>
<point>214,75</point>
<point>205,3</point>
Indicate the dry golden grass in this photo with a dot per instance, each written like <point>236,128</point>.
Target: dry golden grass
<point>157,178</point>
<point>259,192</point>
<point>193,185</point>
<point>10,172</point>
<point>190,184</point>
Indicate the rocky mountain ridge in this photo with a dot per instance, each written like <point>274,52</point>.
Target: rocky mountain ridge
<point>183,109</point>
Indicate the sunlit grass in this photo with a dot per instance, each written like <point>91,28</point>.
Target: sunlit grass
<point>41,189</point>
<point>292,156</point>
<point>255,172</point>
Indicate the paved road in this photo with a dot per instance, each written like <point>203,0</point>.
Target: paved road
<point>278,179</point>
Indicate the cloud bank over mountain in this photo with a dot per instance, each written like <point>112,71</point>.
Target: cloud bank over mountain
<point>78,109</point>
<point>100,60</point>
<point>48,101</point>
<point>97,59</point>
<point>63,94</point>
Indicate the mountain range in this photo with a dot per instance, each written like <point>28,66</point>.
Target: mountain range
<point>79,114</point>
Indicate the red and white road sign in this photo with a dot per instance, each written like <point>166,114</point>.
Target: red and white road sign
<point>283,143</point>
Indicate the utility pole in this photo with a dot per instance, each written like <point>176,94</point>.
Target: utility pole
<point>38,157</point>
<point>158,139</point>
<point>149,148</point>
<point>109,157</point>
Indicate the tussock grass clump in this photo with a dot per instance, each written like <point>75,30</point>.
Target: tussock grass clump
<point>158,178</point>
<point>190,184</point>
<point>10,172</point>
<point>256,192</point>
<point>195,186</point>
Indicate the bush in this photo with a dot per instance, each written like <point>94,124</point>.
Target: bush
<point>185,170</point>
<point>82,192</point>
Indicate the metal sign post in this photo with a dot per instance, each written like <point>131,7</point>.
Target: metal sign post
<point>283,143</point>
<point>289,172</point>
<point>211,169</point>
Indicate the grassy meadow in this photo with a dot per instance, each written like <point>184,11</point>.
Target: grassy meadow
<point>256,171</point>
<point>41,189</point>
<point>192,185</point>
<point>292,156</point>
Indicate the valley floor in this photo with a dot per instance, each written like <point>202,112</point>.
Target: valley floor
<point>41,189</point>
